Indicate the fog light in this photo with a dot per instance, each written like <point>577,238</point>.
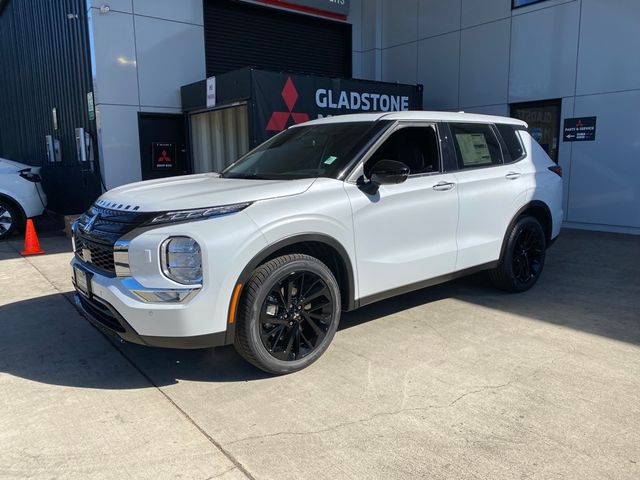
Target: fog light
<point>181,260</point>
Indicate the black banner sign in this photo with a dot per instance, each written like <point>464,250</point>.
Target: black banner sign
<point>163,156</point>
<point>282,99</point>
<point>581,129</point>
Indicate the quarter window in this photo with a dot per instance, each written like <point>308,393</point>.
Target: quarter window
<point>476,145</point>
<point>511,140</point>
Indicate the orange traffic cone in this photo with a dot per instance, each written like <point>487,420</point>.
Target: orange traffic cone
<point>31,243</point>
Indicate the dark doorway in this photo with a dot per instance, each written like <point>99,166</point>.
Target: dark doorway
<point>543,119</point>
<point>163,151</point>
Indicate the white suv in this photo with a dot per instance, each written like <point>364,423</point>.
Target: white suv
<point>329,215</point>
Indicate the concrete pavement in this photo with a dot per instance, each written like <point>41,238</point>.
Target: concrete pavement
<point>456,381</point>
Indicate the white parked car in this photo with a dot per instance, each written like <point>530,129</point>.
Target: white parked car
<point>21,195</point>
<point>327,216</point>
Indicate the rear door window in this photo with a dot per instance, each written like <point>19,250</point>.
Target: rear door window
<point>476,145</point>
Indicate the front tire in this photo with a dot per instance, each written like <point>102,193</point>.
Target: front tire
<point>523,257</point>
<point>289,312</point>
<point>8,219</point>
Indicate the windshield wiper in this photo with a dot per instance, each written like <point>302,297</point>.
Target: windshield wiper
<point>245,176</point>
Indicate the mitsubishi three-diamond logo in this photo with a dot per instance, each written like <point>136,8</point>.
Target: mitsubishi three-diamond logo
<point>279,120</point>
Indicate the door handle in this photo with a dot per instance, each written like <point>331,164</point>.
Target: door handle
<point>512,175</point>
<point>443,186</point>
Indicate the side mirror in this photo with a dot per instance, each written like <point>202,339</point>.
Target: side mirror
<point>389,172</point>
<point>385,172</point>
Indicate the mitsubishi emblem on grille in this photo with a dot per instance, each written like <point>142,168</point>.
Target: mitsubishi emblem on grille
<point>89,225</point>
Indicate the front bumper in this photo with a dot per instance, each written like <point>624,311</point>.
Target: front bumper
<point>114,308</point>
<point>106,318</point>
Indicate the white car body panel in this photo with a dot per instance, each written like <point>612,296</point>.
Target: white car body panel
<point>387,261</point>
<point>199,191</point>
<point>403,235</point>
<point>20,190</point>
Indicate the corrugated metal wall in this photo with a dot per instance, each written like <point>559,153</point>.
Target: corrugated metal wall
<point>239,34</point>
<point>45,64</point>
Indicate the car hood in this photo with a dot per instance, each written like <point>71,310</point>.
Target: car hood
<point>9,166</point>
<point>197,191</point>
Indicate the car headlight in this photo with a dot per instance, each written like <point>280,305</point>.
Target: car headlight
<point>198,214</point>
<point>181,260</point>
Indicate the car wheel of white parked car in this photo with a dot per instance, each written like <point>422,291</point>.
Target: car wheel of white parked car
<point>9,219</point>
<point>289,313</point>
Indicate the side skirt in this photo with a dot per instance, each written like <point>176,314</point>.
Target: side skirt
<point>376,297</point>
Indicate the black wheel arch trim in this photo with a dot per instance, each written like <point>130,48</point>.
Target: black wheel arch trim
<point>272,248</point>
<point>519,213</point>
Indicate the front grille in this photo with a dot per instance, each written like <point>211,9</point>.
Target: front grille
<point>96,254</point>
<point>94,245</point>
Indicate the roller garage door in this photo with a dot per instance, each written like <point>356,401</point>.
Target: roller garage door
<point>239,34</point>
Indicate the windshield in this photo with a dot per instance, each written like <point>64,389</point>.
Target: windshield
<point>305,152</point>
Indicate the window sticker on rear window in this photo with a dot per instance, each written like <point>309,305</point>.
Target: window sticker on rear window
<point>330,160</point>
<point>474,149</point>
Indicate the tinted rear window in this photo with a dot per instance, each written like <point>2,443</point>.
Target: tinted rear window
<point>511,140</point>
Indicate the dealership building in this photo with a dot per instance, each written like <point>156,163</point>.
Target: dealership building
<point>106,92</point>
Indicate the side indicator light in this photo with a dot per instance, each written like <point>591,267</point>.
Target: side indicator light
<point>234,303</point>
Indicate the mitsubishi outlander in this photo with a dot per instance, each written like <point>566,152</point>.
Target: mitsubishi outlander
<point>325,217</point>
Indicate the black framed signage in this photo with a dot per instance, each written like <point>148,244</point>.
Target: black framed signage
<point>163,156</point>
<point>581,129</point>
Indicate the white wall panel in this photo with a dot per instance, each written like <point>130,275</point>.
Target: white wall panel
<point>369,22</point>
<point>501,110</point>
<point>565,150</point>
<point>170,54</point>
<point>189,11</point>
<point>115,79</point>
<point>484,64</point>
<point>355,19</point>
<point>368,65</point>
<point>609,57</point>
<point>544,45</point>
<point>399,22</point>
<point>475,12</point>
<point>605,173</point>
<point>436,17</point>
<point>438,70</point>
<point>399,63</point>
<point>115,5</point>
<point>118,143</point>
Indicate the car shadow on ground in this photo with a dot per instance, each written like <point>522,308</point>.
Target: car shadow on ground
<point>587,287</point>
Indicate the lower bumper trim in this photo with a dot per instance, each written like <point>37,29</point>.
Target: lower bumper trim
<point>105,317</point>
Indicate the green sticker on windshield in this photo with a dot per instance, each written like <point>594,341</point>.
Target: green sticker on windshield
<point>330,160</point>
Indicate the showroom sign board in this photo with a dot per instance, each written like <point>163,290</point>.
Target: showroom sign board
<point>278,100</point>
<point>581,129</point>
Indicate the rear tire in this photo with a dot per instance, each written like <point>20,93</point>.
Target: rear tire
<point>523,258</point>
<point>9,219</point>
<point>288,314</point>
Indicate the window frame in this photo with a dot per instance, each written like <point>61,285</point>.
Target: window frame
<point>358,169</point>
<point>458,160</point>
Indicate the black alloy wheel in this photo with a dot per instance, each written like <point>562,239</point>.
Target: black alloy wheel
<point>528,254</point>
<point>296,316</point>
<point>288,313</point>
<point>523,257</point>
